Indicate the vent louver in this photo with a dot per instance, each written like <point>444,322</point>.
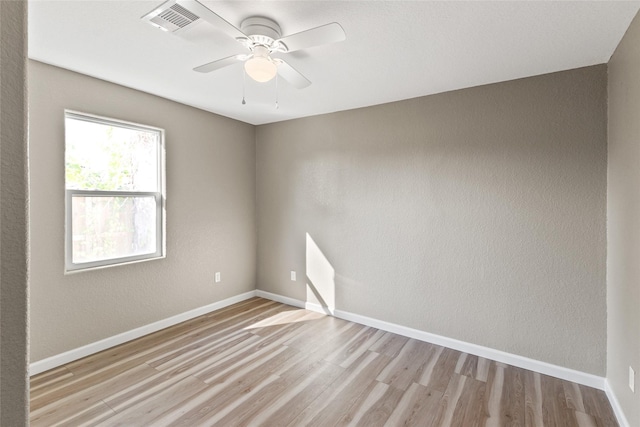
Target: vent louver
<point>172,19</point>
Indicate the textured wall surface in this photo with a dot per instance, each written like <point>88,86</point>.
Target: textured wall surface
<point>210,216</point>
<point>14,316</point>
<point>477,214</point>
<point>623,223</point>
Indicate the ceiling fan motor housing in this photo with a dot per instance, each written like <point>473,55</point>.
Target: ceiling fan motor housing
<point>261,31</point>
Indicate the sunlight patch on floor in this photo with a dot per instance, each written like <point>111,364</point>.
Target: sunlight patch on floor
<point>285,317</point>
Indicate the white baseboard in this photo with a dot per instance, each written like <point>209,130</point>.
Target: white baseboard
<point>615,404</point>
<point>486,352</point>
<point>279,298</point>
<point>465,347</point>
<point>86,350</point>
<point>329,311</point>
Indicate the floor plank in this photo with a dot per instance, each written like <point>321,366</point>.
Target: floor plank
<point>419,406</point>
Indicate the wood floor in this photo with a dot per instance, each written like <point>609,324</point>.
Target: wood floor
<point>261,363</point>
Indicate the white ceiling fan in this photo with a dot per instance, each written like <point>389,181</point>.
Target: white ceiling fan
<point>261,36</point>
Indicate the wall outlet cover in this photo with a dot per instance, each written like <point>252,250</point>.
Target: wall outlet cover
<point>632,379</point>
<point>218,277</point>
<point>293,275</point>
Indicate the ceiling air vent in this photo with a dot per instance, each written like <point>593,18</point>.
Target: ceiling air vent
<point>170,17</point>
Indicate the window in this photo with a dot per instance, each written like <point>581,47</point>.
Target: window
<point>114,174</point>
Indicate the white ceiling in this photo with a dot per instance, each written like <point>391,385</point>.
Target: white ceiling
<point>394,49</point>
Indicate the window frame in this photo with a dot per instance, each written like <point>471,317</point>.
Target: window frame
<point>159,197</point>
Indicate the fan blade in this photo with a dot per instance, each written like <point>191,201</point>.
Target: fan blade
<point>291,75</point>
<point>220,63</point>
<point>208,15</point>
<point>329,33</point>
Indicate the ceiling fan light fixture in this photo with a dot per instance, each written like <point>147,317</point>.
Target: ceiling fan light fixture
<point>260,67</point>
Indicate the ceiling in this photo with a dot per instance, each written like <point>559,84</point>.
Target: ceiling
<point>394,49</point>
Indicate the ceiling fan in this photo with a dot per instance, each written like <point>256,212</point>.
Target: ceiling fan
<point>261,36</point>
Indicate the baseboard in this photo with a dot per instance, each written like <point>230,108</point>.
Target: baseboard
<point>615,404</point>
<point>86,350</point>
<point>478,350</point>
<point>279,298</point>
<point>486,352</point>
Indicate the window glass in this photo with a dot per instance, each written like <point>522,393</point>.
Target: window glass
<point>113,179</point>
<point>106,157</point>
<point>112,227</point>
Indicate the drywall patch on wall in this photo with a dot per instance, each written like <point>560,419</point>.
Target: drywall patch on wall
<point>623,223</point>
<point>477,215</point>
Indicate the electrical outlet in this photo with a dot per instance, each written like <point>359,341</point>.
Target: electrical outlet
<point>218,277</point>
<point>632,379</point>
<point>293,276</point>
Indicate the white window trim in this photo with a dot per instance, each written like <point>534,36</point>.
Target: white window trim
<point>159,196</point>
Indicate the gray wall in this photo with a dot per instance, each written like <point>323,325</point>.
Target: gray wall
<point>477,214</point>
<point>623,223</point>
<point>14,337</point>
<point>210,216</point>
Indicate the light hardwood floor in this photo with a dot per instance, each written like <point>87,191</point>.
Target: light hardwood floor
<point>262,363</point>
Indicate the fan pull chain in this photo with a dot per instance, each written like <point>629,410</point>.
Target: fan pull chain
<point>277,106</point>
<point>244,75</point>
